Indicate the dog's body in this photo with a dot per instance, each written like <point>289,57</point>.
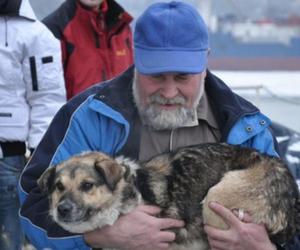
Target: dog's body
<point>92,190</point>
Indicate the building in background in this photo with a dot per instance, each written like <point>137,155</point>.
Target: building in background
<point>243,36</point>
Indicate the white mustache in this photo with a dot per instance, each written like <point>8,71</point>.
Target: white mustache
<point>157,98</point>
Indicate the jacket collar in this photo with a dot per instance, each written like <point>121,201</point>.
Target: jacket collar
<point>26,11</point>
<point>227,107</point>
<point>10,7</point>
<point>19,8</point>
<point>115,16</point>
<point>122,85</point>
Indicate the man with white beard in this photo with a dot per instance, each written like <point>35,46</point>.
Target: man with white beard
<point>168,100</point>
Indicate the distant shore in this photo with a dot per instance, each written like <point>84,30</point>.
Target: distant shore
<point>254,64</point>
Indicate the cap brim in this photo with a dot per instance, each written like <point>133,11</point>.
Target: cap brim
<point>161,61</point>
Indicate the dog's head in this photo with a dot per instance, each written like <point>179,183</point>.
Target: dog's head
<point>83,191</point>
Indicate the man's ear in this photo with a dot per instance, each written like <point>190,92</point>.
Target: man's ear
<point>46,181</point>
<point>111,171</point>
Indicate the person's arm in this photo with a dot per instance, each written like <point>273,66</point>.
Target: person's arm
<point>43,76</point>
<point>77,127</point>
<point>69,134</point>
<point>64,138</point>
<point>137,230</point>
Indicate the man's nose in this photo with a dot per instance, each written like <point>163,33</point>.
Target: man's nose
<point>169,89</point>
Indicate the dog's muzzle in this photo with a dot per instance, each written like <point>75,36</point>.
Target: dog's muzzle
<point>64,209</point>
<point>68,211</point>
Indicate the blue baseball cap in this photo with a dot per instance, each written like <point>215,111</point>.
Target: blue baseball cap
<point>170,37</point>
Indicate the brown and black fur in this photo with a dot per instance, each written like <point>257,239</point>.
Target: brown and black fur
<point>231,175</point>
<point>182,183</point>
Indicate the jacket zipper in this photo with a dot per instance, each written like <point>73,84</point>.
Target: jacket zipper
<point>171,139</point>
<point>97,40</point>
<point>6,31</point>
<point>33,72</point>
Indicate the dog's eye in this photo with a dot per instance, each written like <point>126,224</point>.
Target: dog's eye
<point>60,186</point>
<point>86,186</point>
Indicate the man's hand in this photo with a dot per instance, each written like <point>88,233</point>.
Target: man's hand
<point>137,230</point>
<point>241,235</point>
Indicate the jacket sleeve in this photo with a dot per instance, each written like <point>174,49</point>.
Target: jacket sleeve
<point>43,76</point>
<point>75,128</point>
<point>38,226</point>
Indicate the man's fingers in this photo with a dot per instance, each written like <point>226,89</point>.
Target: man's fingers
<point>215,244</point>
<point>165,223</point>
<point>215,234</point>
<point>242,215</point>
<point>166,236</point>
<point>226,214</point>
<point>148,209</point>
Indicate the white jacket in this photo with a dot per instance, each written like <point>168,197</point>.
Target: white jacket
<point>31,77</point>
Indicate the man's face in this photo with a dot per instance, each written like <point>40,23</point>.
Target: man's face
<point>91,3</point>
<point>168,100</point>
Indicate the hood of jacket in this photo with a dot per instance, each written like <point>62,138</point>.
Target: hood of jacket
<point>10,7</point>
<point>19,8</point>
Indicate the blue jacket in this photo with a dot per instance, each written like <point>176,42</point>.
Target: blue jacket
<point>103,118</point>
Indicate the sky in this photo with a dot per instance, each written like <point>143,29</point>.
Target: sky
<point>257,8</point>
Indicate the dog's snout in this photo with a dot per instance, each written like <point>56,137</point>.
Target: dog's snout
<point>65,208</point>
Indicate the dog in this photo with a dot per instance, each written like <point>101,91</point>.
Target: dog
<point>91,190</point>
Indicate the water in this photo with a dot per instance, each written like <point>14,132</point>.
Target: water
<point>276,93</point>
<point>280,111</point>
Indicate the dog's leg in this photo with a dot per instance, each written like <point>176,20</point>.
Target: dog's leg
<point>255,191</point>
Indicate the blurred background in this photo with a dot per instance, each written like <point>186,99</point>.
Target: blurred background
<point>255,49</point>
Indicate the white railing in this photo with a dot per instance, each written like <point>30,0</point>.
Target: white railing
<point>256,88</point>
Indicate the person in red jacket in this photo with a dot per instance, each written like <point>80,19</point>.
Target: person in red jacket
<point>96,41</point>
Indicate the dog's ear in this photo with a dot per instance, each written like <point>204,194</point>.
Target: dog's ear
<point>46,181</point>
<point>111,171</point>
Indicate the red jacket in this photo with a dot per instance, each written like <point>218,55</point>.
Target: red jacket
<point>96,46</point>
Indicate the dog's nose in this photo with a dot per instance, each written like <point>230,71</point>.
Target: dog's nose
<point>64,209</point>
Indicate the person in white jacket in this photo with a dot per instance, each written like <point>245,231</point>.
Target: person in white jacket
<point>31,92</point>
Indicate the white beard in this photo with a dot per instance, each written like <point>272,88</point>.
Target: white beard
<point>166,119</point>
<point>160,119</point>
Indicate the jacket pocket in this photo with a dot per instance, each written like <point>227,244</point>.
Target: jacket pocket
<point>45,62</point>
<point>13,117</point>
<point>44,73</point>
